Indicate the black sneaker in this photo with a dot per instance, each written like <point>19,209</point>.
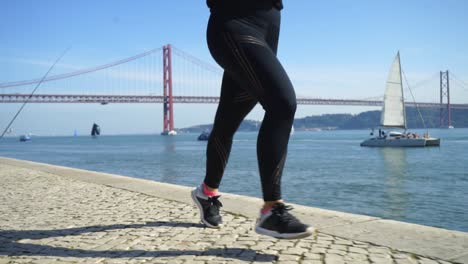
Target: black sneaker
<point>280,223</point>
<point>208,207</point>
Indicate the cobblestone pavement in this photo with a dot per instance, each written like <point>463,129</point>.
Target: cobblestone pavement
<point>45,218</point>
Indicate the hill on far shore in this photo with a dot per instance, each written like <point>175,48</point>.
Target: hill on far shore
<point>364,120</point>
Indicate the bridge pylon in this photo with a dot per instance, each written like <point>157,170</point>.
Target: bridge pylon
<point>445,108</point>
<point>168,101</point>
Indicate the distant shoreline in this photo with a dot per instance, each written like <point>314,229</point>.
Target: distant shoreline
<point>182,131</point>
<point>362,121</point>
<point>326,122</point>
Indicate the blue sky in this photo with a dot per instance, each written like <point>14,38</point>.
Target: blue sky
<point>331,49</point>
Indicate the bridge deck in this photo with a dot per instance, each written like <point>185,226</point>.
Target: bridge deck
<point>106,99</point>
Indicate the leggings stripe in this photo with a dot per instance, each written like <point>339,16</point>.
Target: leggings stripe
<point>244,63</point>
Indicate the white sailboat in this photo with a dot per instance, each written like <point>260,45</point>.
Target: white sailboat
<point>394,116</point>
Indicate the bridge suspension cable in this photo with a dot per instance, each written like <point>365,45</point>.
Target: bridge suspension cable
<point>196,61</point>
<point>80,72</point>
<point>463,84</point>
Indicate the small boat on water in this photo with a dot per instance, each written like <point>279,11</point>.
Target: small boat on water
<point>394,116</point>
<point>205,135</point>
<point>95,130</point>
<point>24,138</point>
<point>169,133</point>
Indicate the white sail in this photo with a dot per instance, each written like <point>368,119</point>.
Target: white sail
<point>393,112</point>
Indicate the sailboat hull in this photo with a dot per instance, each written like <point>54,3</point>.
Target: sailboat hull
<point>433,142</point>
<point>400,142</point>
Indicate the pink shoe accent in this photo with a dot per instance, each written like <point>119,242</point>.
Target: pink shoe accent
<point>265,210</point>
<point>208,192</point>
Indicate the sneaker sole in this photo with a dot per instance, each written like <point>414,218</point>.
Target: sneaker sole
<point>262,231</point>
<point>200,209</point>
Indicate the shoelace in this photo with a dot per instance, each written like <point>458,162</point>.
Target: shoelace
<point>281,210</point>
<point>216,204</point>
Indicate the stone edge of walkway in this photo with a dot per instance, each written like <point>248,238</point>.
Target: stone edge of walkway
<point>418,239</point>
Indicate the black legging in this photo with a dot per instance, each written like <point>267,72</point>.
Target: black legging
<point>244,41</point>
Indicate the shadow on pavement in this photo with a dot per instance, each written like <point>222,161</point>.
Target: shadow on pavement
<point>9,245</point>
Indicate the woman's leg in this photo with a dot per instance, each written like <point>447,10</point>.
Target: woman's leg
<point>254,59</point>
<point>235,103</point>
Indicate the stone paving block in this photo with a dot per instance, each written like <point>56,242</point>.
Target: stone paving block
<point>336,252</point>
<point>313,261</point>
<point>313,256</point>
<point>334,259</point>
<point>339,247</point>
<point>358,250</point>
<point>324,246</point>
<point>358,262</point>
<point>427,261</point>
<point>343,242</point>
<point>377,249</point>
<point>247,256</point>
<point>287,257</point>
<point>443,262</point>
<point>265,258</point>
<point>324,242</point>
<point>382,261</point>
<point>381,257</point>
<point>295,251</point>
<point>218,262</point>
<point>319,250</point>
<point>403,261</point>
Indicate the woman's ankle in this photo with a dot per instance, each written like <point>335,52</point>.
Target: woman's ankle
<point>208,191</point>
<point>267,205</point>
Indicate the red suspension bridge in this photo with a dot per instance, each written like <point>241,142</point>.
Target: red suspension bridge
<point>180,78</point>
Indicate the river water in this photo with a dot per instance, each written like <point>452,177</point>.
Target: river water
<point>325,169</point>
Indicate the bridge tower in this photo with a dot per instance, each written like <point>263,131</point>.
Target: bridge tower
<point>445,114</point>
<point>168,109</point>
